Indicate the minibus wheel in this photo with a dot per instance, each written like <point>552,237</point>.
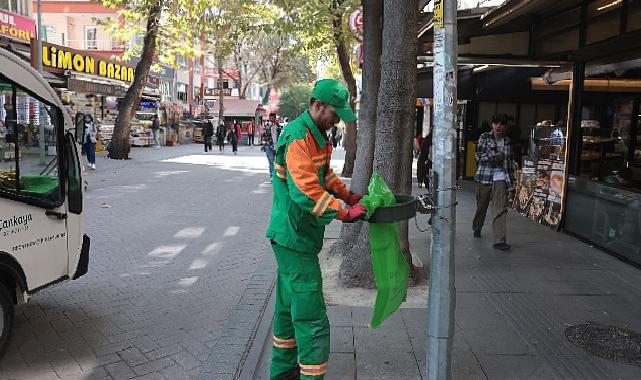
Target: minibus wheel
<point>6,317</point>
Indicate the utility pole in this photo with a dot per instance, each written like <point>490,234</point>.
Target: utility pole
<point>442,294</point>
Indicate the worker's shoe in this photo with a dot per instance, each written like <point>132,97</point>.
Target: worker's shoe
<point>293,374</point>
<point>477,234</point>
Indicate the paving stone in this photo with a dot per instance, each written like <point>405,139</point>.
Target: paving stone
<point>386,366</point>
<point>342,339</point>
<point>381,340</point>
<point>120,370</point>
<point>186,360</point>
<point>153,366</point>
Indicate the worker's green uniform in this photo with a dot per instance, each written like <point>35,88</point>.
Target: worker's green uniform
<point>306,199</point>
<point>303,205</point>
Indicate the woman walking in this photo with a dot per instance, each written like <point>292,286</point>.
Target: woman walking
<point>89,145</point>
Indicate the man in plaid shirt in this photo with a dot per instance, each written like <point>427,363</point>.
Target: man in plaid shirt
<point>495,179</point>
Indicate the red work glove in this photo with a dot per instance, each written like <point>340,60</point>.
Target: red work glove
<point>355,212</point>
<point>354,198</point>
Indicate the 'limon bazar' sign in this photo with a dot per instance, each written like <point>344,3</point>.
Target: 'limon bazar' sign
<point>59,59</point>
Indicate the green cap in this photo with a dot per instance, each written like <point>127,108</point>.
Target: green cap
<point>332,92</point>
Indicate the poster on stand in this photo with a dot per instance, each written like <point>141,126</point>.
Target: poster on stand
<point>552,212</point>
<point>541,188</point>
<point>539,195</point>
<point>525,189</point>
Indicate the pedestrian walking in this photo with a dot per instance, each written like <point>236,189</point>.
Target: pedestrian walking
<point>155,129</point>
<point>275,126</point>
<point>208,133</point>
<point>307,197</point>
<point>495,177</point>
<point>89,144</point>
<point>250,133</point>
<point>333,136</point>
<point>268,148</point>
<point>424,164</point>
<point>221,135</point>
<point>235,136</point>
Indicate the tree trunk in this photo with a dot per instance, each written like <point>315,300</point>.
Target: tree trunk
<point>221,96</point>
<point>120,140</point>
<point>343,53</point>
<point>396,118</point>
<point>356,267</point>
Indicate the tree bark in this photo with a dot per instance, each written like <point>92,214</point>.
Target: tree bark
<point>120,140</point>
<point>221,96</point>
<point>356,267</point>
<point>343,53</point>
<point>396,117</point>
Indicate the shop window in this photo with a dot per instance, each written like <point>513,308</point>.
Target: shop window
<point>91,37</point>
<point>604,195</point>
<point>181,92</point>
<point>29,144</point>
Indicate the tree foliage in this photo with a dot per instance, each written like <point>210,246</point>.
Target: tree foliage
<point>295,100</point>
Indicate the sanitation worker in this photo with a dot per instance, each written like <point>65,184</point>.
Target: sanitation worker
<point>307,197</point>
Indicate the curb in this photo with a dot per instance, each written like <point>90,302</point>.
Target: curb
<point>245,326</point>
<point>256,352</point>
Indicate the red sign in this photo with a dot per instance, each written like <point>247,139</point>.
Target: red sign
<point>212,72</point>
<point>356,21</point>
<point>16,26</point>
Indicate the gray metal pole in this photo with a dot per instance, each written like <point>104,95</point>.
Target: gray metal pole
<point>442,294</point>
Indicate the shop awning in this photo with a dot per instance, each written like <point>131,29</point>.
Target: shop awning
<point>237,108</point>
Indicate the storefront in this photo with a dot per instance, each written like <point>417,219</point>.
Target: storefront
<point>604,182</point>
<point>578,114</point>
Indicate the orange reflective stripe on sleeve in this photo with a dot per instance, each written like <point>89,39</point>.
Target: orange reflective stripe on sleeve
<point>331,179</point>
<point>302,170</point>
<point>322,205</point>
<point>313,369</point>
<point>320,161</point>
<point>280,171</point>
<point>284,343</point>
<point>335,185</point>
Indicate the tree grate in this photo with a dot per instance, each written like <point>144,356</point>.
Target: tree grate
<point>605,341</point>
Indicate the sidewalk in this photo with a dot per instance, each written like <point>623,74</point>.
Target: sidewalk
<point>512,310</point>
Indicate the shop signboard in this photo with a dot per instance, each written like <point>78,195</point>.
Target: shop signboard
<point>153,81</point>
<point>216,92</point>
<point>539,195</point>
<point>15,26</point>
<point>60,59</point>
<point>94,88</point>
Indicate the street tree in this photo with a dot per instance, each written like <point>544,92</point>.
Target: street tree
<point>395,123</point>
<point>134,12</point>
<point>322,27</point>
<point>356,267</point>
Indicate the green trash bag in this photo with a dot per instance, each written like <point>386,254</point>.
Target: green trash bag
<point>391,271</point>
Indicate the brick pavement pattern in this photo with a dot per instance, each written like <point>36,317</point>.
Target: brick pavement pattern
<point>174,260</point>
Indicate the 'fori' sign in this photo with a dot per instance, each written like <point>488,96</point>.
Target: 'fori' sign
<point>59,59</point>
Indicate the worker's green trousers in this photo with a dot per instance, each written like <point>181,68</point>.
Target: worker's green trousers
<point>301,327</point>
